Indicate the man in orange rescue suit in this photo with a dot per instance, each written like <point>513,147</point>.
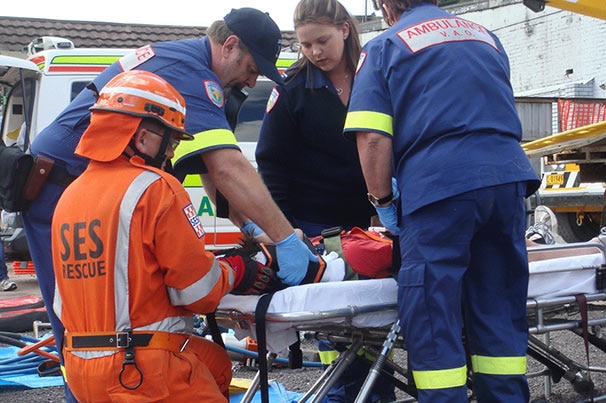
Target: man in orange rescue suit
<point>129,258</point>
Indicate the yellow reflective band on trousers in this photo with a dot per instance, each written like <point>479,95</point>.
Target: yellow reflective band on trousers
<point>440,378</point>
<point>328,356</point>
<point>498,365</point>
<point>204,140</point>
<point>366,121</point>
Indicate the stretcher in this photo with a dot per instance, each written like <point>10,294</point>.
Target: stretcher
<point>565,280</point>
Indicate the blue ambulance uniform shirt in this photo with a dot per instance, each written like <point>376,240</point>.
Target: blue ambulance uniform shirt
<point>312,171</point>
<point>439,86</point>
<point>186,65</point>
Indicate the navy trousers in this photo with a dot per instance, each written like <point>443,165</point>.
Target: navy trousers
<point>465,266</point>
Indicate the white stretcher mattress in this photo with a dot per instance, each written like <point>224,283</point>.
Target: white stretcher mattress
<point>564,276</point>
<point>548,278</point>
<point>320,297</point>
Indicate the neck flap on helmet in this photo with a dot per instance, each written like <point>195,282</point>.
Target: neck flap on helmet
<point>157,160</point>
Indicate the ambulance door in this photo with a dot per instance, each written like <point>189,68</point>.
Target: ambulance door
<point>18,82</point>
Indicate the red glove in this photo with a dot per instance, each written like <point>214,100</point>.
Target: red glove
<point>250,276</point>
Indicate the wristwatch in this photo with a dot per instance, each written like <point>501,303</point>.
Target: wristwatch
<point>375,201</point>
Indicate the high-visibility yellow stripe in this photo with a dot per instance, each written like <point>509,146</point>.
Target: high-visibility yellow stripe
<point>327,357</point>
<point>440,378</point>
<point>285,62</point>
<point>192,181</point>
<point>498,365</point>
<point>85,59</point>
<point>203,140</point>
<point>369,121</point>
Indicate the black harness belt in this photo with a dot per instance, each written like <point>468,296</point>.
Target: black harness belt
<point>122,340</point>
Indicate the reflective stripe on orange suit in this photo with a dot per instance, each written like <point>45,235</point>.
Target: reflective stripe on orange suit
<point>128,253</point>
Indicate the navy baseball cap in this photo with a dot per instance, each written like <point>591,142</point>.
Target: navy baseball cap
<point>261,36</point>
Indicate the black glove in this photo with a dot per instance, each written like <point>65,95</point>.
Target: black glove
<point>254,277</point>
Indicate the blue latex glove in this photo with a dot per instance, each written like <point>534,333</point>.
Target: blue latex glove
<point>293,258</point>
<point>389,214</point>
<point>394,189</point>
<point>389,217</point>
<point>251,229</point>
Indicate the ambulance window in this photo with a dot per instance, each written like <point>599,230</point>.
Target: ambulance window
<point>252,111</point>
<point>77,86</point>
<point>18,107</point>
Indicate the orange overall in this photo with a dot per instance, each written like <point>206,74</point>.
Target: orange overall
<point>128,252</point>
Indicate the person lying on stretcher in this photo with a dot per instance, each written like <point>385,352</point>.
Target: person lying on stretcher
<point>362,253</point>
<point>544,231</point>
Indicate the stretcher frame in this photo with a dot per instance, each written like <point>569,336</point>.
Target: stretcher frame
<point>545,314</point>
<point>566,313</point>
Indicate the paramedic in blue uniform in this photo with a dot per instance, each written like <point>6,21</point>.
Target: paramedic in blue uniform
<point>312,171</point>
<point>234,53</point>
<point>432,105</point>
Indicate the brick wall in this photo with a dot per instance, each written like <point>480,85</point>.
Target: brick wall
<point>553,53</point>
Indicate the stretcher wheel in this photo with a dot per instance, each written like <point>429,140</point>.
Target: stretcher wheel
<point>582,384</point>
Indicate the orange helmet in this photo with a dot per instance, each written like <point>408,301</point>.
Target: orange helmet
<point>144,94</point>
<point>123,102</point>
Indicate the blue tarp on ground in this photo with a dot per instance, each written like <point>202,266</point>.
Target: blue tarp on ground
<point>277,394</point>
<point>22,371</point>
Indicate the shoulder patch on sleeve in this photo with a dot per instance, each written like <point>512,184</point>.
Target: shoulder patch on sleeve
<point>136,58</point>
<point>271,101</point>
<point>361,61</point>
<point>194,220</point>
<point>214,92</point>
